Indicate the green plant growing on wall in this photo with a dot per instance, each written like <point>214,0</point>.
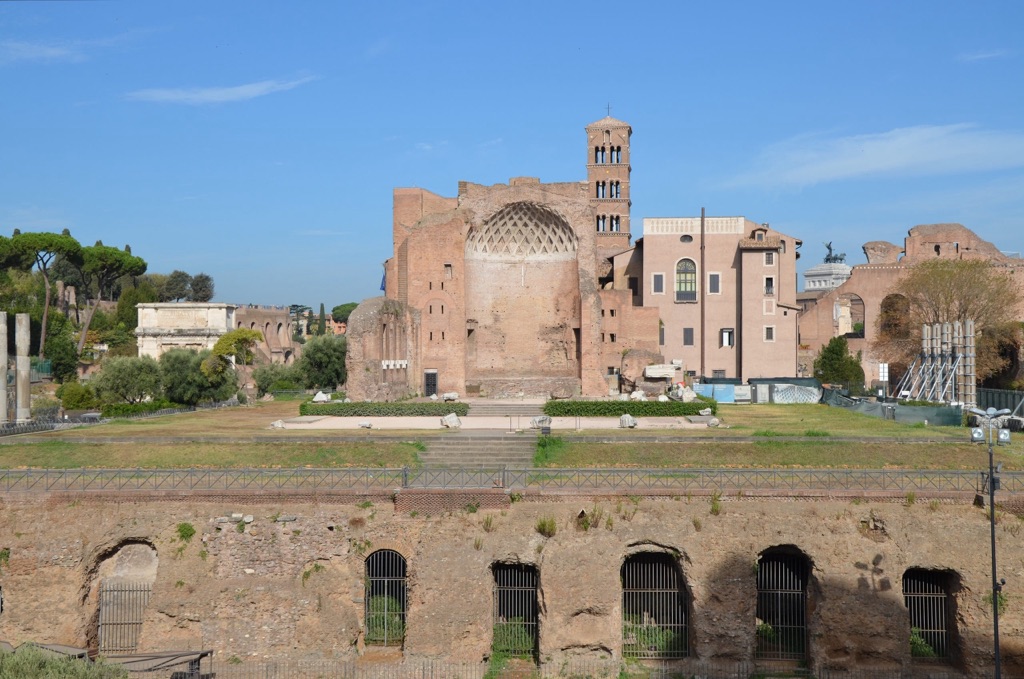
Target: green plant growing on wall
<point>1001,599</point>
<point>716,503</point>
<point>5,558</point>
<point>547,527</point>
<point>186,531</point>
<point>317,567</point>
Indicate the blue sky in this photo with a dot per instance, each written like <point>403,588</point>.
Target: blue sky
<point>259,142</point>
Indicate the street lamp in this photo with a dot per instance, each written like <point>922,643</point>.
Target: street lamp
<point>979,435</point>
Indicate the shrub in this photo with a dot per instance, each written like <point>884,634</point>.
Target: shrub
<point>186,531</point>
<point>44,408</point>
<point>184,381</point>
<point>574,408</point>
<point>547,527</point>
<point>129,409</point>
<point>32,663</point>
<point>400,409</point>
<point>276,377</point>
<point>384,621</point>
<point>513,638</point>
<point>919,647</point>
<point>644,638</point>
<point>76,396</point>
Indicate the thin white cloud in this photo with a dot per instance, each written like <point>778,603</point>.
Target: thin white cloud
<point>200,96</point>
<point>67,51</point>
<point>922,150</point>
<point>12,51</point>
<point>427,147</point>
<point>497,141</point>
<point>982,55</point>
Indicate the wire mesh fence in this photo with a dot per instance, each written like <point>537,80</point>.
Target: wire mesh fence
<point>578,481</point>
<point>576,669</point>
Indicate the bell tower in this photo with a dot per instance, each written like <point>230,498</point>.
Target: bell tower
<point>608,180</point>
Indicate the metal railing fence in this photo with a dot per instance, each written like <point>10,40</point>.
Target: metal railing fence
<point>52,423</point>
<point>566,481</point>
<point>337,669</point>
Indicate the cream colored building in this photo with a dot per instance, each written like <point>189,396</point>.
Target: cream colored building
<point>182,325</point>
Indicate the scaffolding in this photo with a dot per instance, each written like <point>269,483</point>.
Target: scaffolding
<point>944,371</point>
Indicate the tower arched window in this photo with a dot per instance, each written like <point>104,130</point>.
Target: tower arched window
<point>686,281</point>
<point>615,224</point>
<point>616,190</point>
<point>616,154</point>
<point>602,223</point>
<point>602,189</point>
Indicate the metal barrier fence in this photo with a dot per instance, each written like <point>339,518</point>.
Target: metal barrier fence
<point>999,398</point>
<point>568,481</point>
<point>51,424</point>
<point>524,670</point>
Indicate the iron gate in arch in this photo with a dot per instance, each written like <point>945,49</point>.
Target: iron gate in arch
<point>515,610</point>
<point>385,598</point>
<point>781,632</point>
<point>654,607</point>
<point>121,614</point>
<point>926,595</point>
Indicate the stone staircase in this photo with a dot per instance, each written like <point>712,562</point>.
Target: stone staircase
<point>481,449</point>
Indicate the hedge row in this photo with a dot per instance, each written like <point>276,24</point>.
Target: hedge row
<point>634,408</point>
<point>129,409</point>
<point>398,409</point>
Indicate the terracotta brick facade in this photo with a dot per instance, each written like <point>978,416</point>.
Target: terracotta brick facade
<point>869,284</point>
<point>532,288</point>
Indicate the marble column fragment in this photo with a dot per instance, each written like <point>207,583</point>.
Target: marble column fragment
<point>22,376</point>
<point>3,367</point>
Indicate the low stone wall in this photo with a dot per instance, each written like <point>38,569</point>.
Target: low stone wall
<point>289,585</point>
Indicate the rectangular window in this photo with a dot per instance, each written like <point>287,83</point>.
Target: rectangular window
<point>769,333</point>
<point>769,259</point>
<point>719,374</point>
<point>448,271</point>
<point>728,337</point>
<point>687,337</point>
<point>612,336</point>
<point>769,285</point>
<point>612,312</point>
<point>691,373</point>
<point>714,284</point>
<point>658,284</point>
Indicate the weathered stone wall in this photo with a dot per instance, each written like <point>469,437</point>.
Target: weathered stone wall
<point>294,589</point>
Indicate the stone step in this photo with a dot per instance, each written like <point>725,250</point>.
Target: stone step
<point>480,450</point>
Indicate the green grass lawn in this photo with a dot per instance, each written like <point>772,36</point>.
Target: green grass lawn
<point>65,455</point>
<point>751,436</point>
<point>813,453</point>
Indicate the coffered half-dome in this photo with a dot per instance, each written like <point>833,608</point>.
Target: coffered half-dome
<point>523,230</point>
